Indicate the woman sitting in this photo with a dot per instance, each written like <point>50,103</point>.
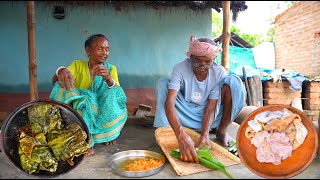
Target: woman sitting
<point>93,89</point>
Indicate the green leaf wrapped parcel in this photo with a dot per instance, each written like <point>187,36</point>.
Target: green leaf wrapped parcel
<point>35,155</point>
<point>205,157</point>
<point>44,118</point>
<point>68,143</point>
<point>45,140</point>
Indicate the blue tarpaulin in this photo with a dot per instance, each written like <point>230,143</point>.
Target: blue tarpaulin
<point>243,57</point>
<point>238,56</point>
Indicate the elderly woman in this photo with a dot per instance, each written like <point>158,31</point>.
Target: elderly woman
<point>199,95</point>
<point>92,88</point>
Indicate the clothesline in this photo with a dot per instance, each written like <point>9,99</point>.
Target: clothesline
<point>294,78</point>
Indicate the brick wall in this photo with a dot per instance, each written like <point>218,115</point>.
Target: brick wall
<point>310,100</point>
<point>311,95</point>
<point>297,38</point>
<point>278,93</point>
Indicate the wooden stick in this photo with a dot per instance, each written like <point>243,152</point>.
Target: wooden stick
<point>226,35</point>
<point>32,51</point>
<point>250,103</point>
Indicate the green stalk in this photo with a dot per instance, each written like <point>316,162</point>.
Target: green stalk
<point>205,157</point>
<point>212,165</point>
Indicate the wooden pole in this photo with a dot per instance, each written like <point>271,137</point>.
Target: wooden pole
<point>250,102</point>
<point>32,51</point>
<point>226,35</point>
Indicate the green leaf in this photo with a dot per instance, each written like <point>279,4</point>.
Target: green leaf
<point>44,118</point>
<point>233,146</point>
<point>175,153</point>
<point>68,143</point>
<point>205,157</point>
<point>216,166</point>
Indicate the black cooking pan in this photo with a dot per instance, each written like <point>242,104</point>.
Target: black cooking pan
<point>9,136</point>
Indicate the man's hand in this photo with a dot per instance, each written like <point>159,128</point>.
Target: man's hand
<point>204,140</point>
<point>186,145</point>
<point>66,79</point>
<point>187,150</point>
<point>208,118</point>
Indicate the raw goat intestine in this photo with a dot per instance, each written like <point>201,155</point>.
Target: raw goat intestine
<point>257,124</point>
<point>272,147</point>
<point>276,134</point>
<point>301,133</point>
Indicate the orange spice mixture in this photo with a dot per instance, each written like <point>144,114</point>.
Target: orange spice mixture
<point>144,164</point>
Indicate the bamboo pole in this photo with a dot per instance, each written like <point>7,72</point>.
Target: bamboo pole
<point>226,35</point>
<point>32,51</point>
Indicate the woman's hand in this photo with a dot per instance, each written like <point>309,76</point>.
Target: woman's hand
<point>104,72</point>
<point>187,150</point>
<point>66,79</point>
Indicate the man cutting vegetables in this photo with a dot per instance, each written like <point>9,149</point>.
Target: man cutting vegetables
<point>199,95</point>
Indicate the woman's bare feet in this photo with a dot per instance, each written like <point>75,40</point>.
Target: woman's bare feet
<point>225,138</point>
<point>90,152</point>
<point>110,143</point>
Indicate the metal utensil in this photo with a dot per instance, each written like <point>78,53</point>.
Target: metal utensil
<point>116,161</point>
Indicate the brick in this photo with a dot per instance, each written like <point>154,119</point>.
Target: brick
<point>312,95</point>
<point>312,83</point>
<point>131,110</point>
<point>278,90</point>
<point>281,95</point>
<point>312,101</point>
<point>277,84</point>
<point>309,106</point>
<point>277,101</point>
<point>312,89</point>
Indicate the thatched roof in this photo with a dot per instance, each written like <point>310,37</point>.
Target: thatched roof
<point>196,6</point>
<point>235,40</point>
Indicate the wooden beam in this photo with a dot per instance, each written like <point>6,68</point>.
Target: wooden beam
<point>32,51</point>
<point>226,35</point>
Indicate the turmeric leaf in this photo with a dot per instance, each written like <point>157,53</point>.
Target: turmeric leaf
<point>205,157</point>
